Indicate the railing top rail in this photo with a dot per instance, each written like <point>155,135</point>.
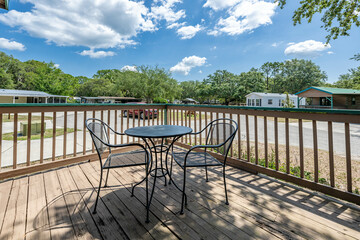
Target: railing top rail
<point>332,111</point>
<point>299,110</point>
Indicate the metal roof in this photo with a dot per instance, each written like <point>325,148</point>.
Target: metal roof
<point>333,91</point>
<point>270,94</point>
<point>25,93</point>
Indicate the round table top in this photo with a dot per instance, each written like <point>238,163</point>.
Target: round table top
<point>158,131</point>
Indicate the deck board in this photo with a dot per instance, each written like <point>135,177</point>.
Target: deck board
<point>58,204</point>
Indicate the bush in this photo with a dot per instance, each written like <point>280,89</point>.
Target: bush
<point>160,100</point>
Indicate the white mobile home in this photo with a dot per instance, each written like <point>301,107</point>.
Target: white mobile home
<point>274,100</point>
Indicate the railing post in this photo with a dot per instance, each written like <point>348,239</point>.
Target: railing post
<point>165,115</point>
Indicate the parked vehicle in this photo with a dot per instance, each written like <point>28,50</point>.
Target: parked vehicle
<point>144,113</point>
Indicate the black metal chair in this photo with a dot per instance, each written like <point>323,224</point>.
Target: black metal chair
<point>220,134</point>
<point>100,133</point>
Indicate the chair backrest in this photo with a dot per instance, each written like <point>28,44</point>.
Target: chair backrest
<point>221,131</point>
<point>99,134</point>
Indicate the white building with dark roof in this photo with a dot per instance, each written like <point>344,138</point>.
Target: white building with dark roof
<point>274,100</point>
<point>25,96</point>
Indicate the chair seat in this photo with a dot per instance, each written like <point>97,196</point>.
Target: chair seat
<point>126,159</point>
<point>195,159</point>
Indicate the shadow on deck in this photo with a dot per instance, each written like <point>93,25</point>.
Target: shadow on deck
<point>58,205</point>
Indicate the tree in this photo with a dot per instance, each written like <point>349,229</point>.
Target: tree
<point>252,81</point>
<point>349,80</point>
<point>298,74</point>
<point>288,103</point>
<point>338,15</point>
<point>270,70</point>
<point>223,85</point>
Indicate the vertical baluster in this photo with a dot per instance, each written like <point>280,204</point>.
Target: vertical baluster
<point>239,136</point>
<point>195,127</point>
<point>301,148</point>
<point>231,147</point>
<point>276,143</point>
<point>133,120</point>
<point>116,125</point>
<point>65,135</point>
<point>75,132</point>
<point>153,116</point>
<point>247,138</point>
<point>122,126</point>
<point>159,112</point>
<point>331,154</point>
<point>217,130</point>
<point>186,123</point>
<point>108,122</point>
<point>102,115</point>
<point>28,144</point>
<point>177,116</point>
<point>316,162</point>
<point>139,123</point>
<point>169,116</point>
<point>256,140</point>
<point>127,124</point>
<point>54,137</point>
<point>148,117</point>
<point>15,140</point>
<point>200,127</point>
<point>348,157</point>
<point>190,136</point>
<point>92,146</point>
<point>206,123</point>
<point>174,117</point>
<point>1,123</point>
<point>42,137</point>
<point>266,142</point>
<point>182,122</point>
<point>84,134</point>
<point>287,145</point>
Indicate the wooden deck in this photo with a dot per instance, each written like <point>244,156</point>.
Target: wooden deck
<point>58,205</point>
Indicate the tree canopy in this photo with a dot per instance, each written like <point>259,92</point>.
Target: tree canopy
<point>338,15</point>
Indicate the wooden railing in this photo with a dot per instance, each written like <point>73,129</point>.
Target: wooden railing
<point>309,147</point>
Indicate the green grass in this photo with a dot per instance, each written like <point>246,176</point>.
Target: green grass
<point>23,118</point>
<point>48,134</point>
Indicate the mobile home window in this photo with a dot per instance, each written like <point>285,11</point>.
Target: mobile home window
<point>249,102</point>
<point>270,101</point>
<point>258,102</point>
<point>253,102</point>
<point>353,101</point>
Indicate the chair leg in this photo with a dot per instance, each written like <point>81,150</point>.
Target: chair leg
<point>226,196</point>
<point>184,199</point>
<point>147,195</point>
<point>206,173</point>
<point>98,192</point>
<point>107,176</point>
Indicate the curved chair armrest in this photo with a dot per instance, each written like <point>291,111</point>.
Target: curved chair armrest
<point>206,146</point>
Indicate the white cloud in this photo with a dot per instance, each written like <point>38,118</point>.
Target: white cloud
<point>213,48</point>
<point>129,68</point>
<point>309,48</point>
<point>94,24</point>
<point>200,71</point>
<point>330,52</point>
<point>97,54</point>
<point>276,44</point>
<point>176,25</point>
<point>188,32</point>
<point>220,4</point>
<point>165,11</point>
<point>56,65</point>
<point>187,64</point>
<point>245,16</point>
<point>11,45</point>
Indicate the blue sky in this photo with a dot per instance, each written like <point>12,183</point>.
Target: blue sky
<point>190,38</point>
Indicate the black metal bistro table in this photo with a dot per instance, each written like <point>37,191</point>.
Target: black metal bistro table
<point>163,132</point>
